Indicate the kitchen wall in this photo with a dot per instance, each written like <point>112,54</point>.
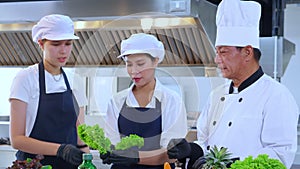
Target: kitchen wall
<point>291,77</point>
<point>7,74</point>
<point>194,100</point>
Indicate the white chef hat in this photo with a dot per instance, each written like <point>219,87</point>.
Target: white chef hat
<point>54,27</point>
<point>143,43</point>
<point>238,23</point>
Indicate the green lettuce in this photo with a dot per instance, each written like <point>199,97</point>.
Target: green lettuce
<point>130,141</point>
<point>262,161</point>
<point>95,138</point>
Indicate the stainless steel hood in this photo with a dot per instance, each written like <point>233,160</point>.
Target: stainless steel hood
<point>186,27</point>
<point>101,25</point>
<point>276,54</point>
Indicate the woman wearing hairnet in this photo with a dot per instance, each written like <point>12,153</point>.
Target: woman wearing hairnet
<point>44,111</point>
<point>146,108</point>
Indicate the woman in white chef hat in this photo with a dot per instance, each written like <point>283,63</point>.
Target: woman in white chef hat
<point>146,108</point>
<point>252,114</point>
<point>44,111</point>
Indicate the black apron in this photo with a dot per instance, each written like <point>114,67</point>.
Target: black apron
<point>55,121</point>
<point>145,122</point>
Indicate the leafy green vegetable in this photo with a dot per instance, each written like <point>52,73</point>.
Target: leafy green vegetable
<point>30,163</point>
<point>95,138</point>
<point>262,161</point>
<point>130,141</point>
<point>217,158</point>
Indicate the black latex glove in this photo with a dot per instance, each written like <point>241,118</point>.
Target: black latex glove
<point>104,158</point>
<point>196,153</point>
<point>178,148</point>
<point>233,160</point>
<point>70,154</point>
<point>121,157</point>
<point>181,163</point>
<point>199,163</point>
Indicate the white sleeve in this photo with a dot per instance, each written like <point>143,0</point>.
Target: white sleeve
<point>203,127</point>
<point>111,122</point>
<point>20,88</point>
<point>281,115</point>
<point>174,119</point>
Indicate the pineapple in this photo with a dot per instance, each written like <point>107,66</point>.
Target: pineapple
<point>217,158</point>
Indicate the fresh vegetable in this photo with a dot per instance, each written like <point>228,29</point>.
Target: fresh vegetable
<point>262,161</point>
<point>130,141</point>
<point>217,158</point>
<point>94,137</point>
<point>30,164</point>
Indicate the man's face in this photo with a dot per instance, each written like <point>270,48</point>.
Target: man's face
<point>230,61</point>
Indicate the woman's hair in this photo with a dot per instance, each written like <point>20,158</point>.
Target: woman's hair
<point>148,55</point>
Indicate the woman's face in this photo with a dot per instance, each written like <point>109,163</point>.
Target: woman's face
<point>56,53</point>
<point>141,68</point>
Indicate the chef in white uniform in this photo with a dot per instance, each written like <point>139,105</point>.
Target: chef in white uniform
<point>252,114</point>
<point>46,106</point>
<point>147,108</point>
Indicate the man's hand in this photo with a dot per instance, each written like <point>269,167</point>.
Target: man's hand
<point>178,148</point>
<point>199,163</point>
<point>70,154</point>
<point>121,157</point>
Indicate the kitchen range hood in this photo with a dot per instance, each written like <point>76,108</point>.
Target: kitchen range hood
<point>186,27</point>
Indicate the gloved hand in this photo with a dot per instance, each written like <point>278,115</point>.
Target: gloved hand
<point>105,158</point>
<point>232,161</point>
<point>70,154</point>
<point>196,153</point>
<point>181,149</point>
<point>178,148</point>
<point>199,163</point>
<point>121,157</point>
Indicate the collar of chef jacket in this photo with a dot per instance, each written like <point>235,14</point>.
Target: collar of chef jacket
<point>253,78</point>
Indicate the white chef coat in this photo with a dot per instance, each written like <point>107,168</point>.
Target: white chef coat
<point>261,119</point>
<point>25,87</point>
<point>174,119</point>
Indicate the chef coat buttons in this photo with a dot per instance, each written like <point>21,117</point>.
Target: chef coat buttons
<point>230,123</point>
<point>222,98</point>
<point>241,99</point>
<point>214,123</point>
<point>208,147</point>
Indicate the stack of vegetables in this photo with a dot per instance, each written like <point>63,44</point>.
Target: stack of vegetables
<point>262,161</point>
<point>30,164</point>
<point>220,158</point>
<point>95,138</point>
